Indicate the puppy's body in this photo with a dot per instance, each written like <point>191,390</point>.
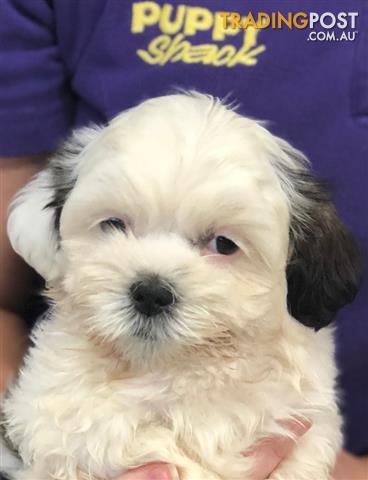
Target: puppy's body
<point>87,412</point>
<point>220,364</point>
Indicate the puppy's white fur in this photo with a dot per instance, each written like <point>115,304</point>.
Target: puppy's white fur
<point>219,373</point>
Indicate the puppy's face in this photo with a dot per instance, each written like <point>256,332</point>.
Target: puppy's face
<point>176,232</point>
<point>175,225</point>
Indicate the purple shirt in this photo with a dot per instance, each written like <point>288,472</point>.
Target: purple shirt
<point>66,63</point>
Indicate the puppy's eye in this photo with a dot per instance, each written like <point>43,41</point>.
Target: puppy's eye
<point>112,223</point>
<point>222,245</point>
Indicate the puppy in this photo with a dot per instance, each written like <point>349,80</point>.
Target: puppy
<point>191,259</point>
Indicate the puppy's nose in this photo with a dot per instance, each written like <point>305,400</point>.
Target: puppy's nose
<point>151,297</point>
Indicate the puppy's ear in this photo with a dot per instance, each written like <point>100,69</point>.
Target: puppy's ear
<point>34,215</point>
<point>323,270</point>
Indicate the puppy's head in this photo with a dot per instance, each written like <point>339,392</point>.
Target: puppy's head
<point>184,227</point>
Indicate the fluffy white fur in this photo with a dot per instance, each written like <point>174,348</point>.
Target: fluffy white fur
<point>93,399</point>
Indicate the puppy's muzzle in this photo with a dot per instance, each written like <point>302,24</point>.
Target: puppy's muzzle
<point>151,297</point>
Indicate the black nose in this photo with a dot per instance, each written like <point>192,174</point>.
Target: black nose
<point>150,297</point>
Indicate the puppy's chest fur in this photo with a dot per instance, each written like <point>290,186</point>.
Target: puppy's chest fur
<point>70,409</point>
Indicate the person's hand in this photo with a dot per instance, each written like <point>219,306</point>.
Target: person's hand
<point>152,471</point>
<point>269,453</point>
<point>349,467</point>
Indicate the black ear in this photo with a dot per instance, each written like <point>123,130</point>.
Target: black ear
<point>323,271</point>
<point>324,266</point>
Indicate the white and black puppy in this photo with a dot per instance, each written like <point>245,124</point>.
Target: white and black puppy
<point>192,259</point>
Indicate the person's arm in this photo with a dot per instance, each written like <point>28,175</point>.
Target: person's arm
<point>15,275</point>
<point>13,337</point>
<point>350,467</point>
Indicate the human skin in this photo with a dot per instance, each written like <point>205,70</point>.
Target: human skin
<point>15,275</point>
<point>15,286</point>
<point>269,455</point>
